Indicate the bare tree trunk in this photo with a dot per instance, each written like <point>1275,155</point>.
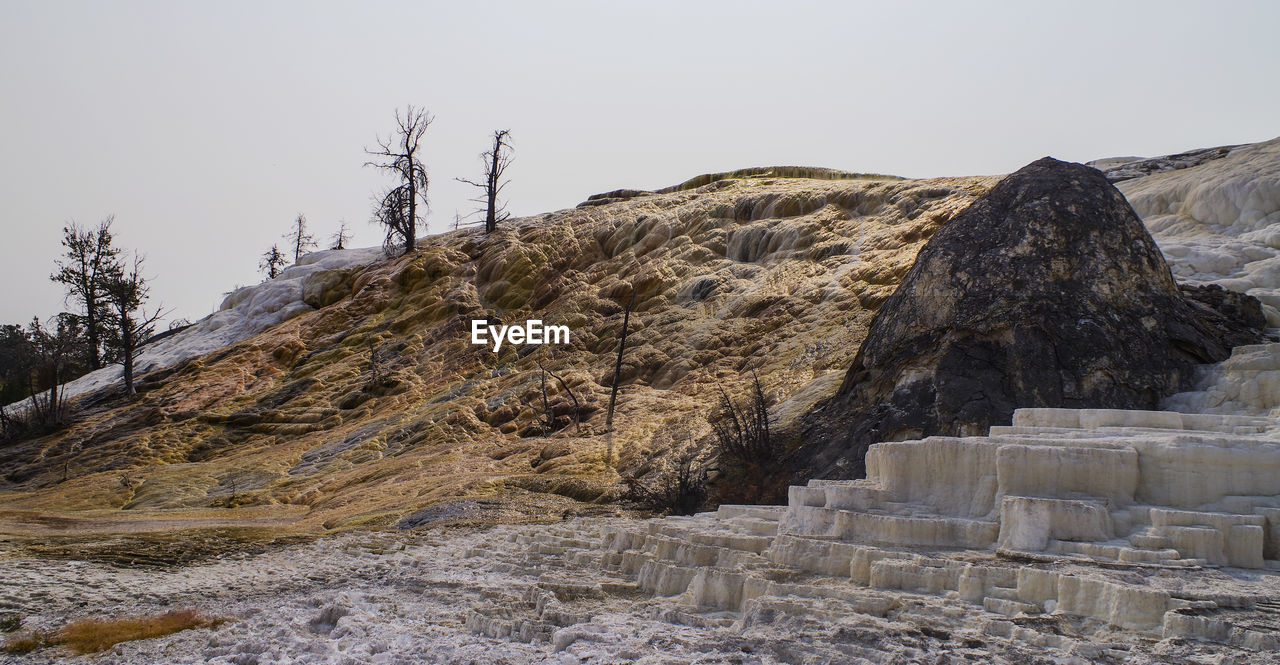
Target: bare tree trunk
<point>35,401</point>
<point>617,370</point>
<point>55,398</point>
<point>491,192</point>
<point>91,329</point>
<point>546,404</point>
<point>496,161</point>
<point>126,341</point>
<point>375,379</point>
<point>411,233</point>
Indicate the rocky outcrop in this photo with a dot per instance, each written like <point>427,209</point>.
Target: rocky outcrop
<point>351,379</point>
<point>757,172</point>
<point>1046,292</point>
<point>1119,169</point>
<point>1236,317</point>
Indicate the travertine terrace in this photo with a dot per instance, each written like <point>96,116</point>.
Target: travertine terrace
<point>1120,525</point>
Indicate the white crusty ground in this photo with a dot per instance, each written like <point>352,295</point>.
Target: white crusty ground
<point>244,313</point>
<point>1219,222</point>
<point>391,598</point>
<point>1246,384</point>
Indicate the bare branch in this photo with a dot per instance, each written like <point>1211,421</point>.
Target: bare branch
<point>397,210</point>
<point>577,407</point>
<point>496,160</point>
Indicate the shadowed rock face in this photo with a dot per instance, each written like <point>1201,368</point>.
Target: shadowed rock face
<point>1046,292</point>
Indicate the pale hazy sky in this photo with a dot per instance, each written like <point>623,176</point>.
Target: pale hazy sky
<point>206,127</point>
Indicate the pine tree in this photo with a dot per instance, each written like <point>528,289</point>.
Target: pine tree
<point>90,261</point>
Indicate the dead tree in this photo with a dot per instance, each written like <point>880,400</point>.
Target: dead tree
<point>272,262</point>
<point>549,418</point>
<point>299,238</point>
<point>397,210</point>
<point>496,160</point>
<point>375,366</point>
<point>617,368</point>
<point>127,293</point>
<point>617,371</point>
<point>66,461</point>
<point>53,348</point>
<point>341,237</point>
<point>680,489</point>
<point>86,266</point>
<point>577,407</point>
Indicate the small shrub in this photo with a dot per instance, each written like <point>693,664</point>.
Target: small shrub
<point>92,635</point>
<point>679,490</point>
<point>741,431</point>
<point>10,622</point>
<point>751,468</point>
<point>13,426</point>
<point>26,643</point>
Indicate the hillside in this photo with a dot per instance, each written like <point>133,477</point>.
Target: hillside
<point>347,392</point>
<point>289,427</point>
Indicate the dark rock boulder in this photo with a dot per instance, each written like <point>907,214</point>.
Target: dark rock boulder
<point>1236,316</point>
<point>1049,292</point>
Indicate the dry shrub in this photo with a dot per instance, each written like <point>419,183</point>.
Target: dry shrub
<point>93,635</point>
<point>751,468</point>
<point>740,431</point>
<point>680,489</point>
<point>10,622</point>
<point>26,643</point>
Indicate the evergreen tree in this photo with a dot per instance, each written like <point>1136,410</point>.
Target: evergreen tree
<point>89,263</point>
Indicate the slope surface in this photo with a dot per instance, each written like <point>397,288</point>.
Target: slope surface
<point>376,404</point>
<point>1219,222</point>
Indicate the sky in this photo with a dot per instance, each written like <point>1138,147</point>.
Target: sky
<point>206,128</point>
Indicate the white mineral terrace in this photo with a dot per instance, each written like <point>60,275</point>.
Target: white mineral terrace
<point>1061,490</point>
<point>1118,522</point>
